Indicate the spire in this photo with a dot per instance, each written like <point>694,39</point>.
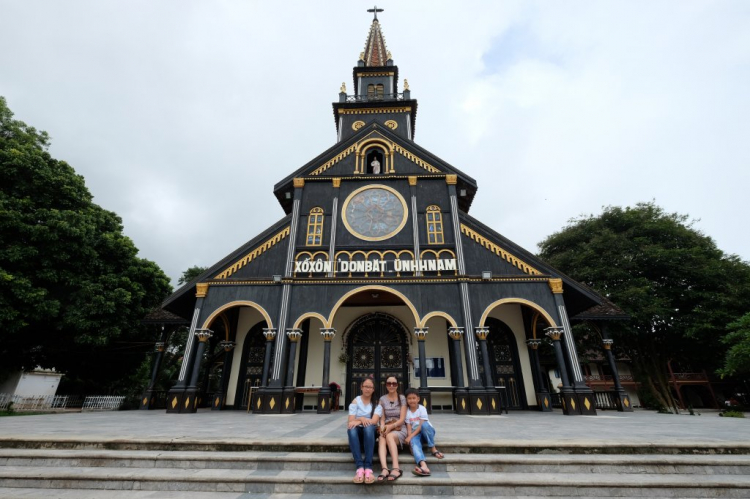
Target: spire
<point>375,53</point>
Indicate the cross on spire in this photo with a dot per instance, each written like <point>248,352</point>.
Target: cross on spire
<point>375,11</point>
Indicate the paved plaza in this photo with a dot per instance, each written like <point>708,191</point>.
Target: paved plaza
<point>515,429</point>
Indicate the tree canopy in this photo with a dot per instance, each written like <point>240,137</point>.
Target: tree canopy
<point>72,289</point>
<point>679,289</point>
<point>190,274</point>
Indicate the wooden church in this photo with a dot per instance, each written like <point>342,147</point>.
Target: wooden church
<point>376,268</point>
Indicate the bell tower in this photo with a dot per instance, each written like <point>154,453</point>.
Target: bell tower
<point>376,99</point>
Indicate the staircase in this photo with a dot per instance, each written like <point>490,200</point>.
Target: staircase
<point>131,469</point>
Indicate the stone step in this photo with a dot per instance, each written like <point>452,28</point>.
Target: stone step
<point>8,493</point>
<point>294,445</point>
<point>339,482</point>
<point>481,463</point>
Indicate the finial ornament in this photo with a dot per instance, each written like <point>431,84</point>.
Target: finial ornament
<point>388,56</point>
<point>343,87</point>
<point>406,84</point>
<point>375,11</point>
<point>361,56</point>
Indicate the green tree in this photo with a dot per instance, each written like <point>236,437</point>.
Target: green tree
<point>72,290</point>
<point>679,289</point>
<point>190,274</point>
<point>737,360</point>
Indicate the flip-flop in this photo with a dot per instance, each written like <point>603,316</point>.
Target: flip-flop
<point>420,472</point>
<point>360,476</point>
<point>383,476</point>
<point>368,477</point>
<point>392,477</point>
<point>438,454</point>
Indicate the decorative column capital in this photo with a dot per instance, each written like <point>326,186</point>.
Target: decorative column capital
<point>228,346</point>
<point>554,333</point>
<point>412,180</point>
<point>482,332</point>
<point>556,285</point>
<point>421,333</point>
<point>201,290</point>
<point>327,333</point>
<point>336,182</point>
<point>298,183</point>
<point>159,346</point>
<point>455,332</point>
<point>451,179</point>
<point>533,343</point>
<point>294,335</point>
<point>269,333</point>
<point>607,344</point>
<point>203,334</point>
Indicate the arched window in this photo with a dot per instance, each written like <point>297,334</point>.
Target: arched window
<point>434,225</point>
<point>315,227</point>
<point>370,91</point>
<point>379,90</point>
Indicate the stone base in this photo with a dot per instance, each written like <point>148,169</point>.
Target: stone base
<point>425,398</point>
<point>544,401</point>
<point>148,400</point>
<point>479,402</point>
<point>495,401</point>
<point>257,401</point>
<point>622,399</point>
<point>586,402</point>
<point>461,401</point>
<point>217,403</point>
<point>272,401</point>
<point>569,400</point>
<point>324,401</point>
<point>288,400</point>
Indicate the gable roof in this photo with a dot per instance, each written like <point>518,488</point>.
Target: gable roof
<point>181,301</point>
<point>578,297</point>
<point>431,163</point>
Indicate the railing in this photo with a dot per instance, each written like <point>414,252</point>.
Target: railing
<point>374,98</point>
<point>690,376</point>
<point>36,402</point>
<point>607,378</point>
<point>605,400</point>
<point>103,403</point>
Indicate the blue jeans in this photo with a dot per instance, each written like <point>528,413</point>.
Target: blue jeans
<point>362,437</point>
<point>426,435</point>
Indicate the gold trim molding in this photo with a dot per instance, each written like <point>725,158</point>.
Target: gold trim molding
<point>298,183</point>
<point>391,124</point>
<point>395,231</point>
<point>358,125</point>
<point>451,179</point>
<point>414,159</point>
<point>346,152</point>
<point>516,262</point>
<point>254,254</point>
<point>336,182</point>
<point>380,73</point>
<point>413,180</point>
<point>380,110</point>
<point>556,285</point>
<point>201,290</point>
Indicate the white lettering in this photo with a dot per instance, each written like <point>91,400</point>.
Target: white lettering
<point>397,265</point>
<point>318,267</point>
<point>450,264</point>
<point>328,267</point>
<point>360,266</point>
<point>297,267</point>
<point>441,264</point>
<point>431,265</point>
<point>368,266</point>
<point>344,266</point>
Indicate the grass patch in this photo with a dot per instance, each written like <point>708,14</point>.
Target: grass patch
<point>732,414</point>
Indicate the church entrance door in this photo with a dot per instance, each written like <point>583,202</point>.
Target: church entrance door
<point>251,365</point>
<point>504,363</point>
<point>376,347</point>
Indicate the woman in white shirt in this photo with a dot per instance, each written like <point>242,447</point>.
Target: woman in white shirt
<point>364,414</point>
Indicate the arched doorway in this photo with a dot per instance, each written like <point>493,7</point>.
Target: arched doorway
<point>504,363</point>
<point>251,364</point>
<point>376,346</point>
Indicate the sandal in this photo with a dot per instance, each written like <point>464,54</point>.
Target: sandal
<point>420,472</point>
<point>383,476</point>
<point>368,477</point>
<point>360,476</point>
<point>392,477</point>
<point>438,454</point>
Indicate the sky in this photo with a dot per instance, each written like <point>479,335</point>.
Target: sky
<point>182,115</point>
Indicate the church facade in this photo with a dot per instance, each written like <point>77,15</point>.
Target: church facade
<point>377,269</point>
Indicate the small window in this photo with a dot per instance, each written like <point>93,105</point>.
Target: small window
<point>434,225</point>
<point>315,227</point>
<point>370,91</point>
<point>379,91</point>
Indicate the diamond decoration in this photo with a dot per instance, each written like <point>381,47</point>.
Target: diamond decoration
<point>174,402</point>
<point>587,403</point>
<point>494,406</point>
<point>216,402</point>
<point>546,402</point>
<point>479,404</point>
<point>187,402</point>
<point>323,403</point>
<point>286,404</point>
<point>145,400</point>
<point>463,404</point>
<point>258,402</point>
<point>573,404</point>
<point>272,403</point>
<point>626,402</point>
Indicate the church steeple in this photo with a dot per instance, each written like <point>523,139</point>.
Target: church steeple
<point>375,54</point>
<point>376,100</point>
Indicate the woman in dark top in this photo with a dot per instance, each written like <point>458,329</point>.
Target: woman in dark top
<point>392,429</point>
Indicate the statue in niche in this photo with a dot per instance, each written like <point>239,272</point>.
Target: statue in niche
<point>375,166</point>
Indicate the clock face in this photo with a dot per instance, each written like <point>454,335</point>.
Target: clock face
<point>374,213</point>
